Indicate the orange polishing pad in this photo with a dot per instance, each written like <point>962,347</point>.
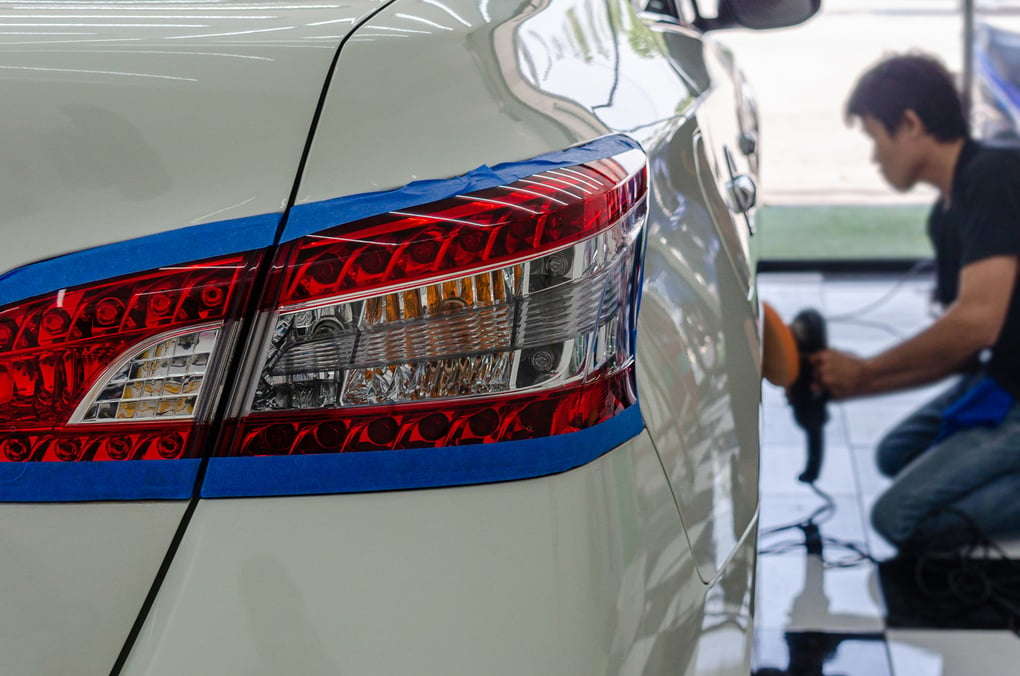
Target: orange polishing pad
<point>781,362</point>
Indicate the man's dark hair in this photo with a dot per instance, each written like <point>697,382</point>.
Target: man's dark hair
<point>912,82</point>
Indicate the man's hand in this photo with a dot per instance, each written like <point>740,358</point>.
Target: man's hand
<point>841,374</point>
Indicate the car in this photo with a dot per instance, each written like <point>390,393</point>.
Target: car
<point>996,56</point>
<point>378,337</point>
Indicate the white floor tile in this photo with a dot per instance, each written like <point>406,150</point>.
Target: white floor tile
<point>790,293</point>
<point>779,428</point>
<point>865,338</point>
<point>781,464</point>
<point>868,420</point>
<point>954,653</point>
<point>869,479</point>
<point>879,299</point>
<point>878,546</point>
<point>772,397</point>
<point>797,593</point>
<point>843,522</point>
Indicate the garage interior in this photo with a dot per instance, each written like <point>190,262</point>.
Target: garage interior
<point>832,599</point>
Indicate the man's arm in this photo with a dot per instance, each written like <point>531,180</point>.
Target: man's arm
<point>969,325</point>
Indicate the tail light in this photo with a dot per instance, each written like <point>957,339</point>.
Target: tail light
<point>492,321</point>
<point>501,315</point>
<point>117,370</point>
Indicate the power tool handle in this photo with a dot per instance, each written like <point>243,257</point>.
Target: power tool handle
<point>815,451</point>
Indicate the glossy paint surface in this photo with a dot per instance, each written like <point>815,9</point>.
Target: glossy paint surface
<point>698,347</point>
<point>638,563</point>
<point>593,569</point>
<point>123,119</point>
<point>129,118</point>
<point>560,73</point>
<point>586,572</point>
<point>73,579</point>
<point>481,82</point>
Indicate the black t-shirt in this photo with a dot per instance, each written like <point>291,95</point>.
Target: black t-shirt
<point>983,220</point>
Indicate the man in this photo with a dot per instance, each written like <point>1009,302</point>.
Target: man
<point>955,461</point>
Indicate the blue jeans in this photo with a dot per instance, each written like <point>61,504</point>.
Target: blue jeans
<point>975,472</point>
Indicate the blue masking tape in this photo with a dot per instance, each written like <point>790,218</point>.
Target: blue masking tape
<point>255,232</point>
<point>100,480</point>
<point>327,473</point>
<point>183,245</point>
<point>417,468</point>
<point>306,219</point>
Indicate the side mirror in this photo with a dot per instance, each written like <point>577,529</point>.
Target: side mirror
<point>761,14</point>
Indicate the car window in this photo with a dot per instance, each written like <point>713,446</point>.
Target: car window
<point>708,9</point>
<point>685,8</point>
<point>681,9</point>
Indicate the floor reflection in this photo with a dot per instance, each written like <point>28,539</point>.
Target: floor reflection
<point>819,654</point>
<point>834,612</point>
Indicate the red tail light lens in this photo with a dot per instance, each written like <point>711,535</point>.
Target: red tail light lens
<point>473,232</point>
<point>115,370</point>
<point>500,315</point>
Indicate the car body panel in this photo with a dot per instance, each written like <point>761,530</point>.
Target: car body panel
<point>123,120</point>
<point>640,562</point>
<point>129,119</point>
<point>699,315</point>
<point>515,96</point>
<point>255,584</point>
<point>526,99</point>
<point>696,329</point>
<point>995,94</point>
<point>74,577</point>
<point>585,572</point>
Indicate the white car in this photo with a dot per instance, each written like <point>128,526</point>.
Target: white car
<point>377,337</point>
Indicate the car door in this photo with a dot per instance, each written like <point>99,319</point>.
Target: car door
<point>700,310</point>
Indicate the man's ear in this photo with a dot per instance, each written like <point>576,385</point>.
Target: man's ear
<point>911,124</point>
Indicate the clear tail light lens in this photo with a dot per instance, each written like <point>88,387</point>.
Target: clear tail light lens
<point>116,370</point>
<point>500,315</point>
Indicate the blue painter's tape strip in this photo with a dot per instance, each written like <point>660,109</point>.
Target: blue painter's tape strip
<point>91,481</point>
<point>136,255</point>
<point>416,468</point>
<point>306,219</point>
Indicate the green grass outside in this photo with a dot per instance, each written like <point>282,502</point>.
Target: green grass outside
<point>833,232</point>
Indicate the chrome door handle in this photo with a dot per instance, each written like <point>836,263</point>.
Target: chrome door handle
<point>742,193</point>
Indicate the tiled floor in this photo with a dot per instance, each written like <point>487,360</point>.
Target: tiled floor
<point>813,618</point>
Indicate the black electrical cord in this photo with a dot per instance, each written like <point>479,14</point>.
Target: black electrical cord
<point>855,316</point>
<point>812,541</point>
<point>916,269</point>
<point>957,575</point>
<point>960,574</point>
<point>871,323</point>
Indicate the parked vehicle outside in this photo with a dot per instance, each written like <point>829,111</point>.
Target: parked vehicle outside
<point>995,92</point>
<point>378,337</point>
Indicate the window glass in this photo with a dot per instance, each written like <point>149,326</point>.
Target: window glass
<point>709,9</point>
<point>685,8</point>
<point>681,9</point>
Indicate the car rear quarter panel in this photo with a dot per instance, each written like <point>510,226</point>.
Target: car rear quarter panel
<point>126,119</point>
<point>586,572</point>
<point>121,120</point>
<point>590,571</point>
